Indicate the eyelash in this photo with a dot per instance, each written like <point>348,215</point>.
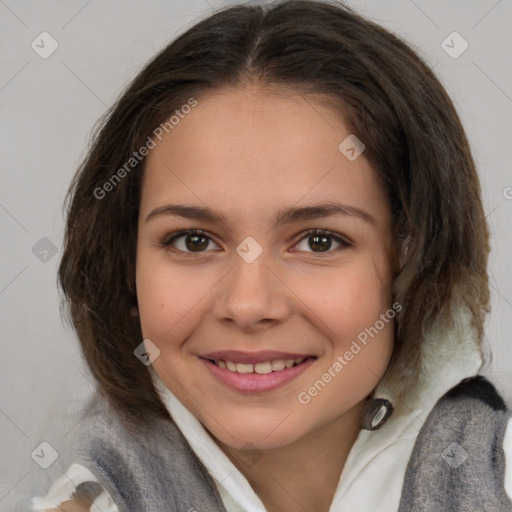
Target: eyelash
<point>310,232</point>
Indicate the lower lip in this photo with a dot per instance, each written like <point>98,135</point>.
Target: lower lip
<point>254,382</point>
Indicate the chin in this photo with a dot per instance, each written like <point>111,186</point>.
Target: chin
<point>258,432</point>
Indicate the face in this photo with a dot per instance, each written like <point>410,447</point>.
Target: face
<point>286,262</point>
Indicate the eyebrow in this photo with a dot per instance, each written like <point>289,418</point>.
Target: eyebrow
<point>284,216</point>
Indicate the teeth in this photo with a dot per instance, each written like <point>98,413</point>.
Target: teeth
<point>277,365</point>
<point>244,368</point>
<point>259,368</point>
<point>262,368</point>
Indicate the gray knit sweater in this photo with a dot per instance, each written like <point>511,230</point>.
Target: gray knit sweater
<point>457,463</point>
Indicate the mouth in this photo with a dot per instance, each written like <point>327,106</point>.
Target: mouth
<point>261,368</point>
<point>256,372</point>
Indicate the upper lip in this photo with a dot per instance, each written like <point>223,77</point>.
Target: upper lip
<point>236,356</point>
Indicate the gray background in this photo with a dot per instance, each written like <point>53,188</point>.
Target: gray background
<point>48,108</point>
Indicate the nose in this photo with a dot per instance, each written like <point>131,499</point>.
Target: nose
<point>252,296</point>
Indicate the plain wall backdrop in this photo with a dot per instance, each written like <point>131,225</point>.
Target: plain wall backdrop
<point>48,107</point>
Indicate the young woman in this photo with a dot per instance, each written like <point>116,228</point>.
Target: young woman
<point>276,264</point>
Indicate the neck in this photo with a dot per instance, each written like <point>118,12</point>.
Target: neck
<point>303,475</point>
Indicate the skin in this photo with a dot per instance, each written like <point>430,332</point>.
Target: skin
<point>245,153</point>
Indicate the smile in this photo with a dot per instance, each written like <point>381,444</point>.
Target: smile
<point>257,376</point>
<point>259,368</point>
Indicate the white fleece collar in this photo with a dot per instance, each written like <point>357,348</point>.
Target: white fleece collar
<point>373,474</point>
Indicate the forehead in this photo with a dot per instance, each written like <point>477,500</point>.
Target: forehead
<point>251,149</point>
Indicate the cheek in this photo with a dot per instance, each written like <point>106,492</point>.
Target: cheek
<point>169,298</point>
<point>347,299</point>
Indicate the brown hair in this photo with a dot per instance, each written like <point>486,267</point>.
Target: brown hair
<point>388,96</point>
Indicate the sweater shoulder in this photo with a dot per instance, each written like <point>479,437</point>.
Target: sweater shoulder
<point>477,388</point>
<point>125,459</point>
<point>458,460</point>
<point>77,490</point>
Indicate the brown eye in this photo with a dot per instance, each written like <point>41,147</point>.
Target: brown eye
<point>320,241</point>
<point>192,241</point>
<point>196,242</point>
